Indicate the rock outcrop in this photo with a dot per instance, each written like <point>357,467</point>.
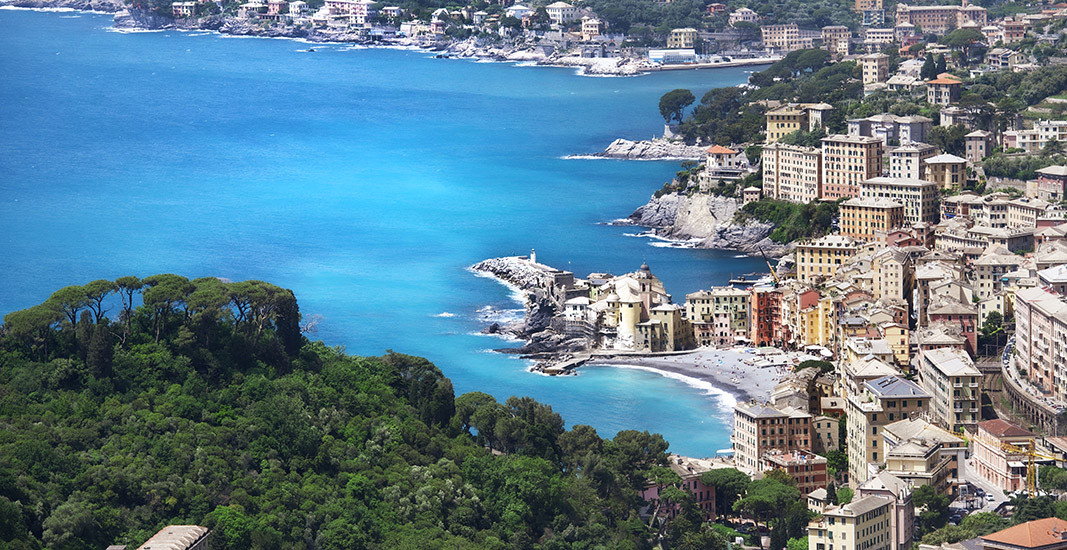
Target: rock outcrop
<point>655,149</point>
<point>542,306</point>
<point>706,221</point>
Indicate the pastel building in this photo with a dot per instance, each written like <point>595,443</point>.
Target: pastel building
<point>846,162</point>
<point>760,429</point>
<point>862,219</point>
<point>883,401</point>
<point>863,524</point>
<point>993,458</point>
<point>791,172</point>
<point>950,376</point>
<point>819,259</point>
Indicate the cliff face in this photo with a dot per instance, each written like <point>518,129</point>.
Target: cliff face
<point>708,220</point>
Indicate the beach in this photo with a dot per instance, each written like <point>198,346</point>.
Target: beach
<point>742,372</point>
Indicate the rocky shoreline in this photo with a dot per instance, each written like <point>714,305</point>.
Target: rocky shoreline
<point>650,149</point>
<point>706,221</point>
<point>534,281</point>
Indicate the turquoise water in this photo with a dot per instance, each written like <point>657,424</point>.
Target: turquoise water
<point>365,180</point>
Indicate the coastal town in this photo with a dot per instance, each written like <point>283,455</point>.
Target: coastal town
<point>903,364</point>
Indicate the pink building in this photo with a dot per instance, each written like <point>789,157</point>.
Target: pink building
<point>962,315</point>
<point>689,469</point>
<point>1003,468</point>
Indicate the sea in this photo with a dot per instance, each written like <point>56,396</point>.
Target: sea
<point>366,180</point>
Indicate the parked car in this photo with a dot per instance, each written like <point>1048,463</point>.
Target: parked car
<point>989,498</point>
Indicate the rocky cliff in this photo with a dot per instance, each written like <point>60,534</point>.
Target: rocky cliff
<point>708,222</point>
<point>655,149</point>
<point>534,281</point>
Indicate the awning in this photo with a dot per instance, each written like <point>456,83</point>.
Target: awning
<point>1016,464</point>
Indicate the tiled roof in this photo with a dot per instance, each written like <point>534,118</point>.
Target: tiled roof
<point>1032,534</point>
<point>1003,428</point>
<point>720,150</point>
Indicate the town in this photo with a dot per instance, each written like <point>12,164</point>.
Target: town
<point>932,308</point>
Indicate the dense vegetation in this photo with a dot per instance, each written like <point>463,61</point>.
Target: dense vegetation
<point>793,221</point>
<point>131,404</point>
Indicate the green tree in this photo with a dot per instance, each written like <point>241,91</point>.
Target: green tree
<point>844,495</point>
<point>933,506</point>
<point>673,104</point>
<point>729,483</point>
<point>96,292</point>
<point>929,68</point>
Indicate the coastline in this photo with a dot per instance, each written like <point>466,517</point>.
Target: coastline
<point>127,19</point>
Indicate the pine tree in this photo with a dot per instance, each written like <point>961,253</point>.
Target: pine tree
<point>831,493</point>
<point>929,69</point>
<point>940,66</point>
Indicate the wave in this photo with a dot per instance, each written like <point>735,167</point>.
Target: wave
<point>725,399</point>
<point>444,314</point>
<point>133,31</point>
<point>517,294</point>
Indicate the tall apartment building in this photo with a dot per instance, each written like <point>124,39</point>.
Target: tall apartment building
<point>909,161</point>
<point>919,197</point>
<point>765,321</point>
<point>759,429</point>
<point>1041,339</point>
<point>955,384</point>
<point>862,524</point>
<point>887,127</point>
<point>1003,468</point>
<point>875,68</point>
<point>720,316</point>
<point>787,37</point>
<point>846,162</point>
<point>941,19</point>
<point>836,39</point>
<point>862,219</point>
<point>979,144</point>
<point>820,259</point>
<point>943,91</point>
<point>883,401</point>
<point>806,468</point>
<point>791,172</point>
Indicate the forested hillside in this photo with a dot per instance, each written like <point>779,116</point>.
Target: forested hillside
<point>131,404</point>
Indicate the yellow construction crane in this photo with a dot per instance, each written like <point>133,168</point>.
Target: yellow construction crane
<point>773,273</point>
<point>1031,468</point>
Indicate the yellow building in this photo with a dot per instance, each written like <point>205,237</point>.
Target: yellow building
<point>791,172</point>
<point>875,68</point>
<point>665,330</point>
<point>591,28</point>
<point>723,310</point>
<point>883,401</point>
<point>683,39</point>
<point>862,524</point>
<point>940,19</point>
<point>816,323</point>
<point>795,116</point>
<point>947,171</point>
<point>919,197</point>
<point>847,161</point>
<point>862,219</point>
<point>819,259</point>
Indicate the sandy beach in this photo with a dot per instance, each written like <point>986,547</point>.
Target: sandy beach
<point>734,371</point>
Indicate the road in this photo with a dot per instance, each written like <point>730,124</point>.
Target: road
<point>967,473</point>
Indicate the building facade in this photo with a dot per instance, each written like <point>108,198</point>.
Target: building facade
<point>846,162</point>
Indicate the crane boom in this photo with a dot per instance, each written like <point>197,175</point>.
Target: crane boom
<point>773,273</point>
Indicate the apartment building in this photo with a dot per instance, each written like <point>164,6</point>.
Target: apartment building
<point>1035,139</point>
<point>863,524</point>
<point>819,259</point>
<point>979,144</point>
<point>993,458</point>
<point>836,39</point>
<point>787,37</point>
<point>761,428</point>
<point>947,171</point>
<point>862,219</point>
<point>1041,339</point>
<point>954,383</point>
<point>941,19</point>
<point>791,117</point>
<point>883,401</point>
<point>846,162</point>
<point>901,508</point>
<point>682,39</point>
<point>939,468</point>
<point>725,313</point>
<point>887,127</point>
<point>875,68</point>
<point>943,90</point>
<point>909,161</point>
<point>919,197</point>
<point>791,172</point>
<point>806,468</point>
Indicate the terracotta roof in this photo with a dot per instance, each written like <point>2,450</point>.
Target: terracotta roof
<point>943,81</point>
<point>1002,428</point>
<point>720,150</point>
<point>1032,534</point>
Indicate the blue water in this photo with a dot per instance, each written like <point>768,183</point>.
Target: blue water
<point>365,180</point>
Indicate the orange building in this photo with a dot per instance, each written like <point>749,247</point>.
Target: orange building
<point>864,218</point>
